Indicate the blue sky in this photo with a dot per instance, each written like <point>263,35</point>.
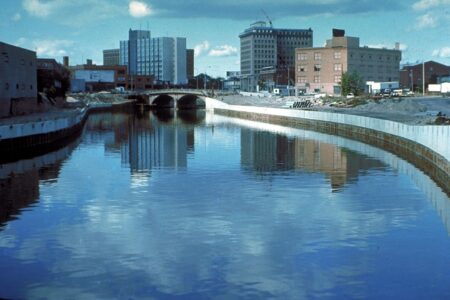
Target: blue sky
<point>83,28</point>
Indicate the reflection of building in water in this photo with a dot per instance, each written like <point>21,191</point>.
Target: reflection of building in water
<point>108,128</point>
<point>16,192</point>
<point>314,156</point>
<point>268,152</point>
<point>19,181</point>
<point>153,145</point>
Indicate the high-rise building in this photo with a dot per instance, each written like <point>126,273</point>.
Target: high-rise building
<point>190,63</point>
<point>268,55</point>
<point>111,57</point>
<point>163,57</point>
<point>320,69</point>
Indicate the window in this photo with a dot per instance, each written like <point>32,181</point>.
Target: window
<point>316,79</point>
<point>317,56</point>
<point>303,56</point>
<point>337,55</point>
<point>317,68</point>
<point>302,79</point>
<point>302,68</point>
<point>337,78</point>
<point>337,67</point>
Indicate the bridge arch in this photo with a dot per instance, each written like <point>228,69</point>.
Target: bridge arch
<point>164,101</point>
<point>190,101</point>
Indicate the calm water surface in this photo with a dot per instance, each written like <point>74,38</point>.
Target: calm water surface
<point>204,207</point>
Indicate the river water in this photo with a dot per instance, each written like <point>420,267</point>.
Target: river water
<point>198,206</point>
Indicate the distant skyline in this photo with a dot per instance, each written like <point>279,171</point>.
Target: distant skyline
<point>82,29</point>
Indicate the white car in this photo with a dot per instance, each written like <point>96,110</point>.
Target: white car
<point>350,96</point>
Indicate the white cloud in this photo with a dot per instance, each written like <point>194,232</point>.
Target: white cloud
<point>201,48</point>
<point>223,51</point>
<point>21,42</point>
<point>38,8</point>
<point>139,9</point>
<point>426,21</point>
<point>443,52</point>
<point>51,48</point>
<point>76,13</point>
<point>16,17</point>
<point>427,4</point>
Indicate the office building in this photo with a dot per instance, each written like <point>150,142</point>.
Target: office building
<point>98,78</point>
<point>18,82</point>
<point>270,52</point>
<point>163,57</point>
<point>320,69</point>
<point>190,63</point>
<point>232,81</point>
<point>111,57</point>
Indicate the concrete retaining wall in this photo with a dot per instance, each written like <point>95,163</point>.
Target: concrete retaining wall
<point>12,131</point>
<point>427,147</point>
<point>16,138</point>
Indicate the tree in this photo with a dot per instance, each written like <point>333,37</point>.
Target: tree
<point>351,83</point>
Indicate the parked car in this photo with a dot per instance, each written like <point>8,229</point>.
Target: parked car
<point>350,96</point>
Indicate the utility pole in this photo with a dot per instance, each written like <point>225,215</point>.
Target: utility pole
<point>423,78</point>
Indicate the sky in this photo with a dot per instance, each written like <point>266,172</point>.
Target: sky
<point>81,29</point>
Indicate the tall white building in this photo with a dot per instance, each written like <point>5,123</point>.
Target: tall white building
<point>163,57</point>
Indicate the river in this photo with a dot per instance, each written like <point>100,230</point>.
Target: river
<point>197,206</point>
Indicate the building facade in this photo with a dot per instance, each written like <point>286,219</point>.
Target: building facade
<point>111,57</point>
<point>264,47</point>
<point>98,78</point>
<point>163,57</point>
<point>411,76</point>
<point>52,77</point>
<point>320,69</point>
<point>190,63</point>
<point>18,81</point>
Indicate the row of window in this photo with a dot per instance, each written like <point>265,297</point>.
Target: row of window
<point>318,67</point>
<point>316,79</point>
<point>22,86</point>
<point>378,56</point>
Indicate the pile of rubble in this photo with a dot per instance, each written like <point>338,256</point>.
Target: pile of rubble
<point>97,98</point>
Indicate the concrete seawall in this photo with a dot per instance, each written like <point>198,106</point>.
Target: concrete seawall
<point>27,137</point>
<point>427,147</point>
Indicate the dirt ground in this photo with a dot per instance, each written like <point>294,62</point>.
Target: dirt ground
<point>412,110</point>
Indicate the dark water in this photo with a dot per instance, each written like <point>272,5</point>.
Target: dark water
<point>204,207</point>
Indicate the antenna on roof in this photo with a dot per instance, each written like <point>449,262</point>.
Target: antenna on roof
<point>267,17</point>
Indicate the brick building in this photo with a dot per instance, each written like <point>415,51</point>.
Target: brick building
<point>320,69</point>
<point>411,76</point>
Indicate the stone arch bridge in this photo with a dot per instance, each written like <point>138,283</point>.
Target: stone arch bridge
<point>176,99</point>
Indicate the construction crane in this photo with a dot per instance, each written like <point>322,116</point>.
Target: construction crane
<point>267,17</point>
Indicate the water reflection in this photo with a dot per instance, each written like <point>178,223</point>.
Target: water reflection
<point>263,151</point>
<point>145,209</point>
<point>19,181</point>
